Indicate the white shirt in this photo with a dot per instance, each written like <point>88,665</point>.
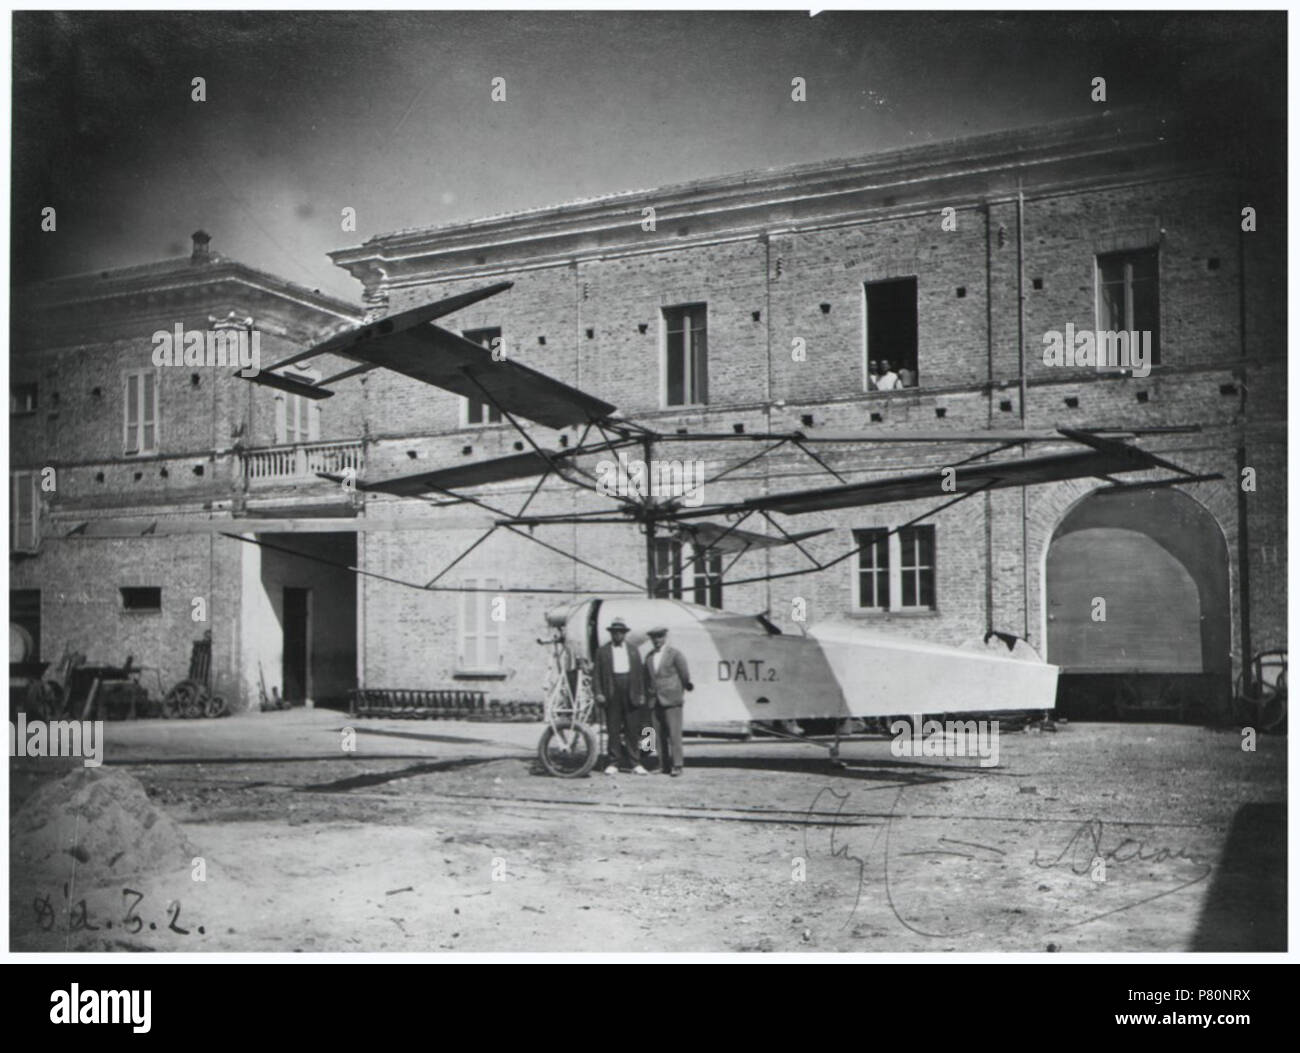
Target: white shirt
<point>887,381</point>
<point>621,662</point>
<point>652,660</point>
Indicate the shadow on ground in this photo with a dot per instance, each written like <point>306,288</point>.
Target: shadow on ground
<point>1245,909</point>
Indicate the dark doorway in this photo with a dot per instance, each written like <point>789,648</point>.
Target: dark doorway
<point>309,565</point>
<point>297,631</point>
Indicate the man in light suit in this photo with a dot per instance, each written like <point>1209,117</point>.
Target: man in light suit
<point>666,676</point>
<point>619,687</point>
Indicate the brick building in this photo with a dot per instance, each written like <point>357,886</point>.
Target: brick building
<point>119,549</point>
<point>751,303</point>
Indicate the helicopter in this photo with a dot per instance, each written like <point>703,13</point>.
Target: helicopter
<point>748,669</point>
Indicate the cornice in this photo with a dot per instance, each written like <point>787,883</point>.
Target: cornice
<point>85,307</point>
<point>1094,151</point>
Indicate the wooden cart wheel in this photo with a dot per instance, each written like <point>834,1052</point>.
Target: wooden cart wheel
<point>183,700</point>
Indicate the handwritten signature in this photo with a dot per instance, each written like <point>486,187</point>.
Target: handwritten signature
<point>1086,845</point>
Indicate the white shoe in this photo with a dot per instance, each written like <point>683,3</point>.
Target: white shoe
<point>612,770</point>
<point>639,770</point>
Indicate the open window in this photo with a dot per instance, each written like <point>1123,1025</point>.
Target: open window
<point>891,335</point>
<point>1128,295</point>
<point>144,599</point>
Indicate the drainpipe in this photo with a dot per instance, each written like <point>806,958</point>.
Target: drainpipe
<point>1243,520</point>
<point>767,402</point>
<point>1020,342</point>
<point>988,332</point>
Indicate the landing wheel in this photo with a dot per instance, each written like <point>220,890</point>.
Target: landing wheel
<point>568,750</point>
<point>215,706</point>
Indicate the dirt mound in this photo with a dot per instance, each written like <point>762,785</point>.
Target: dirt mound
<point>97,824</point>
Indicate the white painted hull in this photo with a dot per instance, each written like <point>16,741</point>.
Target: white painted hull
<point>742,672</point>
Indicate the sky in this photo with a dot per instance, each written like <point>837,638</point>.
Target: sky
<point>390,113</point>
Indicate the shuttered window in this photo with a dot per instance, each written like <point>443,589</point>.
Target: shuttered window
<point>481,635</point>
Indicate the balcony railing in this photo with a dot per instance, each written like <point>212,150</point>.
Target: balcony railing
<point>287,463</point>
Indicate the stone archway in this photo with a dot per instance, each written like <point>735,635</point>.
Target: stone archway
<point>1155,564</point>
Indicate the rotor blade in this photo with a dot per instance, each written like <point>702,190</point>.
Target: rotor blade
<point>919,485</point>
<point>393,323</point>
<point>1013,436</point>
<point>496,470</point>
<point>1108,445</point>
<point>447,360</point>
<point>527,590</point>
<point>294,387</point>
<point>354,371</point>
<point>723,539</point>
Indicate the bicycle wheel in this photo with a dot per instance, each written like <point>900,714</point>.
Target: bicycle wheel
<point>568,749</point>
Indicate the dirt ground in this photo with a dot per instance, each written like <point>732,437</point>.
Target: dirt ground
<point>446,836</point>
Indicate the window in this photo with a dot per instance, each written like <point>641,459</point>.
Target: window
<point>891,360</point>
<point>480,411</point>
<point>873,568</point>
<point>22,399</point>
<point>142,598</point>
<point>297,418</point>
<point>895,571</point>
<point>668,569</point>
<point>708,578</point>
<point>916,566</point>
<point>480,634</point>
<point>686,355</point>
<point>677,567</point>
<point>1128,295</point>
<point>140,433</point>
<point>24,511</point>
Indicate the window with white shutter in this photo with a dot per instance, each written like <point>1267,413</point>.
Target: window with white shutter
<point>140,423</point>
<point>480,645</point>
<point>24,511</point>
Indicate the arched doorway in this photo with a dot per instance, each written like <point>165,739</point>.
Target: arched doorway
<point>1138,607</point>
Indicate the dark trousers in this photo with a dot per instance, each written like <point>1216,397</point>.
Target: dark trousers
<point>625,724</point>
<point>668,722</point>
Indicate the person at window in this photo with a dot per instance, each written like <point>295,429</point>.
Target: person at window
<point>667,675</point>
<point>873,369</point>
<point>906,378</point>
<point>888,379</point>
<point>619,687</point>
